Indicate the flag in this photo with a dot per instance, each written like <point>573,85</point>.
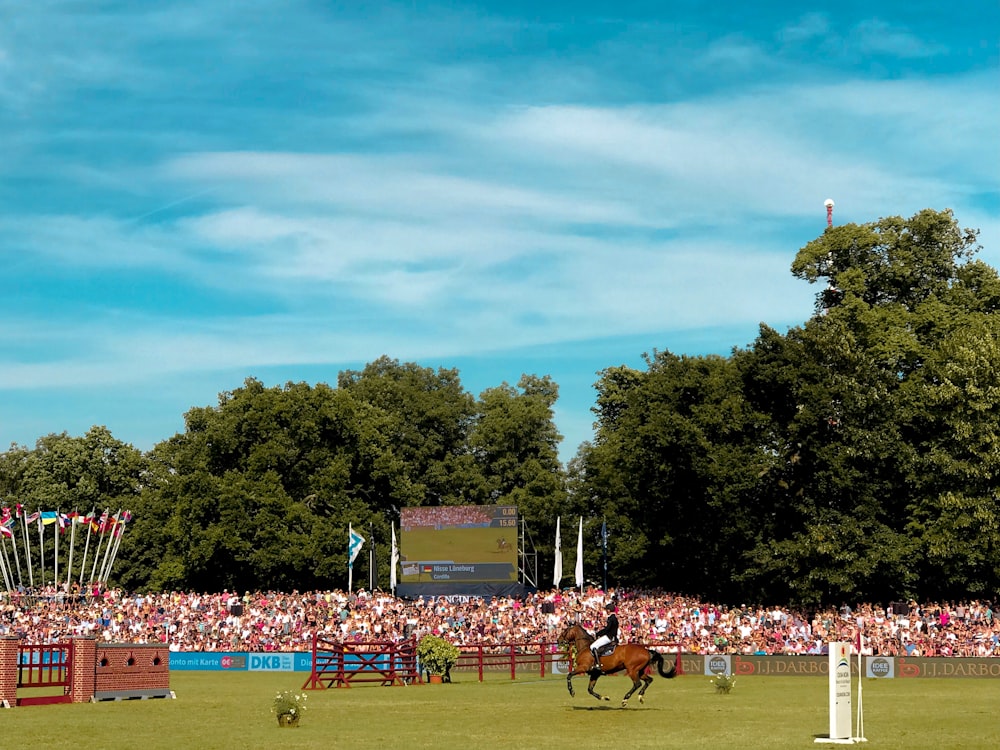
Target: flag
<point>7,527</point>
<point>557,568</point>
<point>393,561</point>
<point>32,517</point>
<point>604,550</point>
<point>579,557</point>
<point>354,546</point>
<point>64,521</point>
<point>49,516</point>
<point>428,569</point>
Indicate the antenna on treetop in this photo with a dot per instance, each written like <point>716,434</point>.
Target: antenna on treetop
<point>829,212</point>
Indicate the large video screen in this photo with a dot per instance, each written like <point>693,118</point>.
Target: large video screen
<point>469,549</point>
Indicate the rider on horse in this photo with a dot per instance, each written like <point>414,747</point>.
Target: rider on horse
<point>606,635</point>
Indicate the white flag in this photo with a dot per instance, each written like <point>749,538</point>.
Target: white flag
<point>394,561</point>
<point>579,558</point>
<point>557,571</point>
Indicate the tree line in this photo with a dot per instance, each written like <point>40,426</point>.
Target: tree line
<point>854,457</point>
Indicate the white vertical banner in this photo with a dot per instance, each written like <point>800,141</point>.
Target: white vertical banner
<point>393,562</point>
<point>579,557</point>
<point>557,567</point>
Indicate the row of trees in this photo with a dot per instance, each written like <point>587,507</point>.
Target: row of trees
<point>854,457</point>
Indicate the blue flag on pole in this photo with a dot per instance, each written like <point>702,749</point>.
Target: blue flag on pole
<point>354,546</point>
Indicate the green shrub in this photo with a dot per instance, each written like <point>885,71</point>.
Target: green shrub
<point>724,683</point>
<point>437,655</point>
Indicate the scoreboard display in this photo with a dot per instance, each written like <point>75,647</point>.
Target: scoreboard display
<point>456,549</point>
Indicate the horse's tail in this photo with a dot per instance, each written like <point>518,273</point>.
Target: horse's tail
<point>657,659</point>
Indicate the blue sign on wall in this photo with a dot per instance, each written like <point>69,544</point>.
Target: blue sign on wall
<point>242,661</point>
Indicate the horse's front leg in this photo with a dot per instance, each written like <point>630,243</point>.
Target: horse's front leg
<point>569,684</point>
<point>590,689</point>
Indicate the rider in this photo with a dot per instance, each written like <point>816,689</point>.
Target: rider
<point>605,635</point>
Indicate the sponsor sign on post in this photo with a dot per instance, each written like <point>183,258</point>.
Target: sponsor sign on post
<point>840,694</point>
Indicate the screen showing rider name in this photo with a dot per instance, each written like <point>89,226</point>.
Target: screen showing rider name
<point>460,544</point>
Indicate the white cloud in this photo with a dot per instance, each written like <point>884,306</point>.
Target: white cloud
<point>875,36</point>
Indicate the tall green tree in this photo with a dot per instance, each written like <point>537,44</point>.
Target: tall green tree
<point>258,492</point>
<point>856,476</point>
<point>426,417</point>
<point>515,444</point>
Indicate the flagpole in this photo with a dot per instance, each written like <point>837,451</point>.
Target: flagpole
<point>103,575</point>
<point>7,582</point>
<point>41,547</point>
<point>89,520</point>
<point>17,556</point>
<point>55,544</point>
<point>117,533</point>
<point>27,548</point>
<point>72,544</point>
<point>100,539</point>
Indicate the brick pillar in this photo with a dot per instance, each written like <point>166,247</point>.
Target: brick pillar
<point>84,669</point>
<point>10,651</point>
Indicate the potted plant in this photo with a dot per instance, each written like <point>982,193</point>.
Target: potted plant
<point>437,656</point>
<point>288,706</point>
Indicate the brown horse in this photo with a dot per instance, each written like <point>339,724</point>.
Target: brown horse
<point>631,657</point>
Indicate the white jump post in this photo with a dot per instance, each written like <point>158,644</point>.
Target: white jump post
<point>840,696</point>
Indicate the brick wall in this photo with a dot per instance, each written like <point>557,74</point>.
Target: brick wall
<point>132,667</point>
<point>84,677</point>
<point>9,652</point>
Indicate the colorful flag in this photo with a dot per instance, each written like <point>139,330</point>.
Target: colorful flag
<point>32,517</point>
<point>428,569</point>
<point>354,545</point>
<point>49,517</point>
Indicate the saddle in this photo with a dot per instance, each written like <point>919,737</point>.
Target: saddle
<point>607,648</point>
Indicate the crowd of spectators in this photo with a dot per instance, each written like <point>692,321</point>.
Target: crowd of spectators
<point>275,621</point>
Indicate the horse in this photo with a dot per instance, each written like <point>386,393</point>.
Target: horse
<point>631,657</point>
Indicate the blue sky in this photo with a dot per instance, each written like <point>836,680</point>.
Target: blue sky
<point>193,193</point>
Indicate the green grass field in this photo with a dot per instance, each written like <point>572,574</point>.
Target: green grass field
<point>225,711</point>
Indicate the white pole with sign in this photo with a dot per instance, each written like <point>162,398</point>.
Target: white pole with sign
<point>840,695</point>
